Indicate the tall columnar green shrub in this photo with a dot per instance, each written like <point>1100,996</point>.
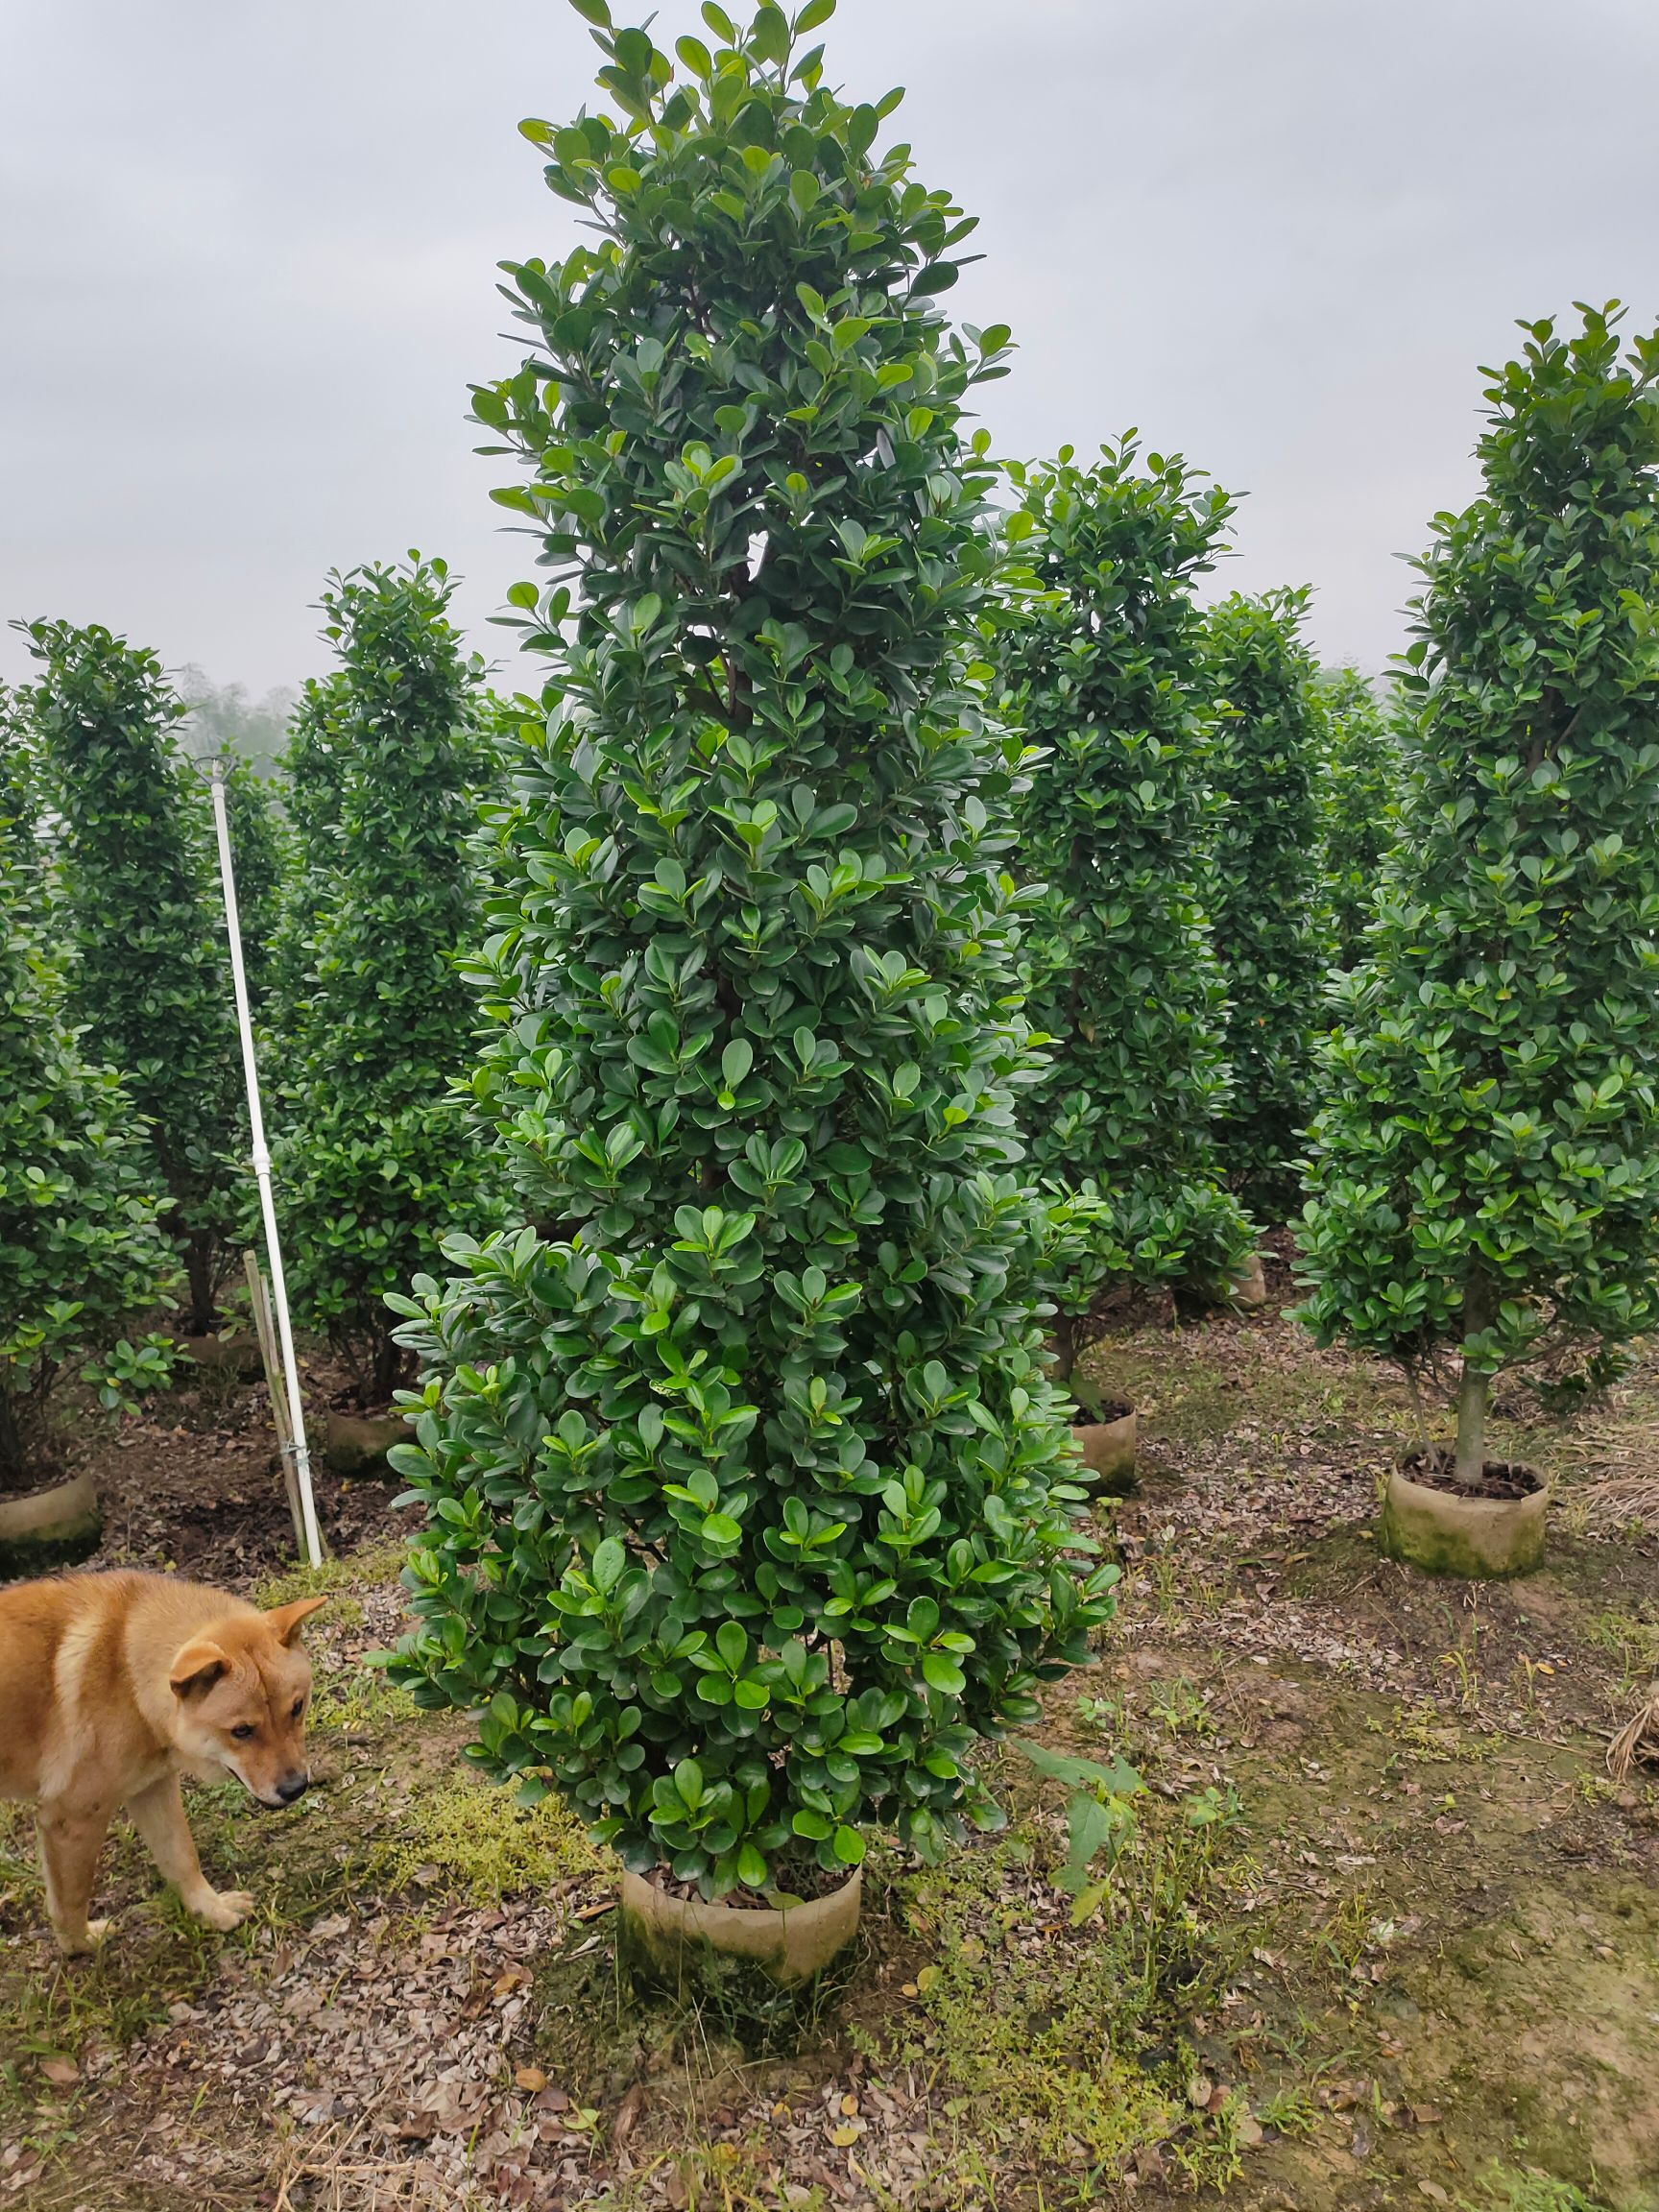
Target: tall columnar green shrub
<point>149,978</point>
<point>312,763</point>
<point>19,780</point>
<point>258,851</point>
<point>1101,654</point>
<point>748,1494</point>
<point>1359,785</point>
<point>374,1158</point>
<point>1485,1173</point>
<point>1266,883</point>
<point>80,1247</point>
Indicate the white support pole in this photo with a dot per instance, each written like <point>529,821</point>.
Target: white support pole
<point>261,1162</point>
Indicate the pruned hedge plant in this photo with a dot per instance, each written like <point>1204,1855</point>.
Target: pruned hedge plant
<point>374,1156</point>
<point>1358,793</point>
<point>1264,893</point>
<point>149,977</point>
<point>1483,1196</point>
<point>1100,654</point>
<point>81,1253</point>
<point>749,1499</point>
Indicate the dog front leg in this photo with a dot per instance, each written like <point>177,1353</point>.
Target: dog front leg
<point>71,1838</point>
<point>157,1812</point>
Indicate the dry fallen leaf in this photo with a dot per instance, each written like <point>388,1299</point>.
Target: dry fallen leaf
<point>626,2113</point>
<point>850,2107</point>
<point>1199,2090</point>
<point>845,2137</point>
<point>60,2071</point>
<point>531,2077</point>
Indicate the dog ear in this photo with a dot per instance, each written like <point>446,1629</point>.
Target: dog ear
<point>197,1668</point>
<point>287,1620</point>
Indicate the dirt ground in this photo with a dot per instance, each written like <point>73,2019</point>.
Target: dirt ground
<point>1386,1932</point>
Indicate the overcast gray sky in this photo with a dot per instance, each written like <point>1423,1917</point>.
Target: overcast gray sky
<point>246,268</point>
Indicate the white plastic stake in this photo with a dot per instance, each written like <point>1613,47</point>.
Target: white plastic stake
<point>261,1161</point>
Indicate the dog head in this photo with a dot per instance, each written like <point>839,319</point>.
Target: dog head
<point>241,1692</point>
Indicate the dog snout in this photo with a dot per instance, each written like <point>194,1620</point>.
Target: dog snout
<point>292,1787</point>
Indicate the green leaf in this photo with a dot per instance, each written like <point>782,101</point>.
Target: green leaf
<point>610,1560</point>
<point>1118,1778</point>
<point>941,1673</point>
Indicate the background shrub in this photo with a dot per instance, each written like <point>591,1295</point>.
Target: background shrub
<point>1485,1172</point>
<point>1264,888</point>
<point>1359,790</point>
<point>373,1156</point>
<point>258,851</point>
<point>148,977</point>
<point>1101,657</point>
<point>80,1246</point>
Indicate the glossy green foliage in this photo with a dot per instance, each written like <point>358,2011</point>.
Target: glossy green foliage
<point>374,1155</point>
<point>1359,789</point>
<point>149,978</point>
<point>80,1247</point>
<point>1264,888</point>
<point>1486,1166</point>
<point>19,784</point>
<point>747,1490</point>
<point>258,845</point>
<point>313,770</point>
<point>1100,653</point>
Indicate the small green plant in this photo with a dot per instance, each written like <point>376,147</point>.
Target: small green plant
<point>1483,1193</point>
<point>1214,1807</point>
<point>126,1372</point>
<point>1182,1709</point>
<point>1099,1817</point>
<point>1291,2112</point>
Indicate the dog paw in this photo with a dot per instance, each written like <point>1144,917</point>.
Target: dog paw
<point>224,1909</point>
<point>82,1944</point>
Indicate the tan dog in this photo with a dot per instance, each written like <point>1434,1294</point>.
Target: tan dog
<point>112,1688</point>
